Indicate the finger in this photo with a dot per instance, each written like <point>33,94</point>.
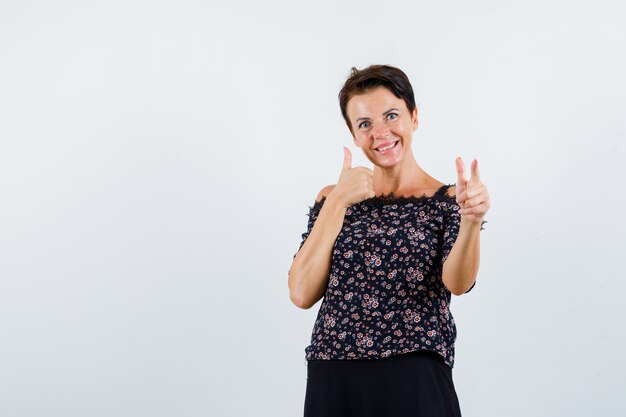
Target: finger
<point>461,181</point>
<point>480,209</point>
<point>347,159</point>
<point>476,201</point>
<point>475,172</point>
<point>471,192</point>
<point>466,211</point>
<point>364,170</point>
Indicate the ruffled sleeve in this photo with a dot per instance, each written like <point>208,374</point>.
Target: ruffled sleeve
<point>451,225</point>
<point>314,211</point>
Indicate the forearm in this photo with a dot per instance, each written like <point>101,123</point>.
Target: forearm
<point>308,275</point>
<point>461,266</point>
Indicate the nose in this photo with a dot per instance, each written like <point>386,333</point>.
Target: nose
<point>380,131</point>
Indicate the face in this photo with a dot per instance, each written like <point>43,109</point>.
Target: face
<point>380,119</point>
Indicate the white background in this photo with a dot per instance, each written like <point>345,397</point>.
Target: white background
<point>157,162</point>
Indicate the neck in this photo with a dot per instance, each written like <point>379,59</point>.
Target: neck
<point>402,178</point>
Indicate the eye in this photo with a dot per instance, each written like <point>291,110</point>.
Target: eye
<point>395,116</point>
<point>361,125</point>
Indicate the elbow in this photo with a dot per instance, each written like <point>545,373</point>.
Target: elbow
<point>458,291</point>
<point>451,286</point>
<point>455,288</point>
<point>301,295</point>
<point>454,283</point>
<point>299,302</point>
<point>295,296</point>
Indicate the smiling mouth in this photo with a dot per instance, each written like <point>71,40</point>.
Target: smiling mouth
<point>387,148</point>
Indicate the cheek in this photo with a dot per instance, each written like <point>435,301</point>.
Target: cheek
<point>405,130</point>
<point>362,141</point>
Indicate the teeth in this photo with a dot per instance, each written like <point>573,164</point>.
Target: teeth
<point>387,147</point>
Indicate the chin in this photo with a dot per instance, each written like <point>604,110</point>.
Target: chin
<point>385,164</point>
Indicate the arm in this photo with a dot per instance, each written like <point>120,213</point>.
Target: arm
<point>308,275</point>
<point>461,267</point>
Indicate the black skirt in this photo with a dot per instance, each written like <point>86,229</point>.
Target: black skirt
<point>413,384</point>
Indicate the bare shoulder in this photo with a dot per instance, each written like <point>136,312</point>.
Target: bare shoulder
<point>325,191</point>
<point>451,191</point>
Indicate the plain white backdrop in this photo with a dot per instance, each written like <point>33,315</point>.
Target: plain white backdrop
<point>157,163</point>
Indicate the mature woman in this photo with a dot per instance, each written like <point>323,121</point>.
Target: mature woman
<point>385,248</point>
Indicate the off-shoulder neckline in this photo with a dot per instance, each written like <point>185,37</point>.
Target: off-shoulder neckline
<point>393,198</point>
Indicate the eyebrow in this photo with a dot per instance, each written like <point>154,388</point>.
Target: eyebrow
<point>385,113</point>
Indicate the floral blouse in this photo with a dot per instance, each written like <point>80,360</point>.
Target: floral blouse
<point>385,295</point>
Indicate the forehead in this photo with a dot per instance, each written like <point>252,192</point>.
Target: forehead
<point>373,102</point>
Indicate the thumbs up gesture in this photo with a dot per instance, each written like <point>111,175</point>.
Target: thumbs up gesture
<point>472,195</point>
<point>354,184</point>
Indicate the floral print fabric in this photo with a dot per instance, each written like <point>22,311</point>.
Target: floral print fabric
<point>385,295</point>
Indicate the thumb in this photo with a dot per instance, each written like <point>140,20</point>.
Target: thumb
<point>347,159</point>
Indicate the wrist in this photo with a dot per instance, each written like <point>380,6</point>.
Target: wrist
<point>472,223</point>
<point>334,200</point>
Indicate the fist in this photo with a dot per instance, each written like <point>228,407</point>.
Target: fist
<point>354,184</point>
<point>471,195</point>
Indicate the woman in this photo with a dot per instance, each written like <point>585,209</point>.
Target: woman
<point>386,248</point>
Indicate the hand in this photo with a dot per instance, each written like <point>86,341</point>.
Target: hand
<point>471,195</point>
<point>354,184</point>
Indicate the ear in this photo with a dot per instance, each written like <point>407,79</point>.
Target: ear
<point>414,118</point>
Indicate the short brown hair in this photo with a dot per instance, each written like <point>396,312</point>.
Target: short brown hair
<point>360,81</point>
